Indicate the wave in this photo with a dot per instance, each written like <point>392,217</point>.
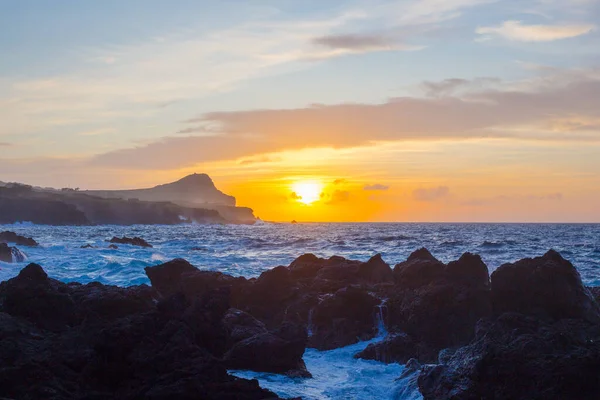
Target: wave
<point>17,255</point>
<point>452,243</point>
<point>393,238</point>
<point>491,245</point>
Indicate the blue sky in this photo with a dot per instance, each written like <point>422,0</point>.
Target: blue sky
<point>96,86</point>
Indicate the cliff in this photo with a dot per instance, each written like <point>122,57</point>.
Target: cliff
<point>192,191</point>
<point>23,203</point>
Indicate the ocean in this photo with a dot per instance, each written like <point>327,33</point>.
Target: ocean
<point>242,250</point>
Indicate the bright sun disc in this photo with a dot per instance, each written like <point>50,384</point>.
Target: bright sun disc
<point>307,192</point>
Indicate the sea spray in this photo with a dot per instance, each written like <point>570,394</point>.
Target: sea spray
<point>17,255</point>
<point>336,375</point>
<point>380,319</point>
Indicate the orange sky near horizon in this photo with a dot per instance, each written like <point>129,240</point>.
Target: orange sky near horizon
<point>441,181</point>
<point>397,110</point>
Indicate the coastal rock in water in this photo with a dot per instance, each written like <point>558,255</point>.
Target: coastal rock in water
<point>43,301</point>
<point>135,241</point>
<point>88,246</point>
<point>166,278</point>
<point>439,304</point>
<point>519,357</point>
<point>420,269</point>
<point>268,296</point>
<point>97,302</point>
<point>376,271</point>
<point>398,348</point>
<point>11,237</point>
<point>343,319</point>
<point>93,341</point>
<point>178,275</point>
<point>241,325</point>
<point>547,286</point>
<point>279,351</point>
<point>11,254</point>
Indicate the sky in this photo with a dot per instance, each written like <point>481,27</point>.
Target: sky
<point>429,110</point>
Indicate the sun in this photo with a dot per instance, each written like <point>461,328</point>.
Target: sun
<point>307,192</point>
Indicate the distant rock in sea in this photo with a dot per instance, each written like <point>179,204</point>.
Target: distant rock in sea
<point>11,237</point>
<point>135,241</point>
<point>11,254</point>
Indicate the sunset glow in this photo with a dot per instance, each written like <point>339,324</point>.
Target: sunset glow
<point>320,111</point>
<point>307,192</point>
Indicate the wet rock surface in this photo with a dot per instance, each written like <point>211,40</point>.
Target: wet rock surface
<point>134,241</point>
<point>11,237</point>
<point>60,341</point>
<point>531,332</point>
<point>542,341</point>
<point>10,254</point>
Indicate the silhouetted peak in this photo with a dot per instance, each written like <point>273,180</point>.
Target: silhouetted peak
<point>33,273</point>
<point>194,180</point>
<point>422,254</point>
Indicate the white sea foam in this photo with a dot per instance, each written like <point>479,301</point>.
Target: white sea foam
<point>337,375</point>
<point>249,250</point>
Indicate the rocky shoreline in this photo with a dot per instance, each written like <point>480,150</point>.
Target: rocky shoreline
<point>530,331</point>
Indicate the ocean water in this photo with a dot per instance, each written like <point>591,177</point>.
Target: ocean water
<point>249,250</point>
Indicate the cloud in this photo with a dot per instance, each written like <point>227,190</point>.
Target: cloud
<point>5,144</point>
<point>560,106</point>
<point>517,31</point>
<point>339,181</point>
<point>480,202</point>
<point>258,160</point>
<point>376,187</point>
<point>431,194</point>
<point>294,196</point>
<point>356,42</point>
<point>456,86</point>
<point>338,196</point>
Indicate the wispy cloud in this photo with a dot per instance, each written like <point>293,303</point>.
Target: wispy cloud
<point>337,197</point>
<point>517,31</point>
<point>531,110</point>
<point>376,187</point>
<point>431,194</point>
<point>359,43</point>
<point>5,144</point>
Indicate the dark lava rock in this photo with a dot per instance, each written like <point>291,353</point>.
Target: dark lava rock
<point>11,237</point>
<point>595,292</point>
<point>420,269</point>
<point>241,325</point>
<point>521,358</point>
<point>344,318</point>
<point>180,276</point>
<point>166,278</point>
<point>439,304</point>
<point>268,297</point>
<point>135,241</point>
<point>113,246</point>
<point>5,253</point>
<point>398,348</point>
<point>88,246</point>
<point>9,254</point>
<point>375,271</point>
<point>95,301</point>
<point>547,286</point>
<point>92,341</point>
<point>43,301</point>
<point>279,351</point>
